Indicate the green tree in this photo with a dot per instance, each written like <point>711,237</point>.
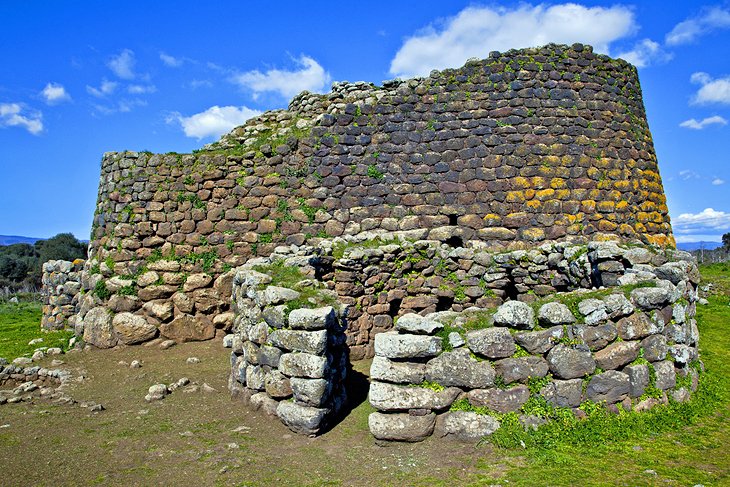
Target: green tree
<point>63,246</point>
<point>726,241</point>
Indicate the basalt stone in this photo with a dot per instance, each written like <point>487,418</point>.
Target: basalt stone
<point>266,355</point>
<point>553,314</point>
<point>302,419</point>
<point>417,324</point>
<point>520,369</point>
<point>98,329</point>
<point>383,369</point>
<point>312,392</point>
<point>649,298</point>
<point>312,319</point>
<point>638,379</point>
<point>277,385</point>
<point>465,425</point>
<point>637,326</point>
<point>394,345</point>
<point>262,401</point>
<point>539,342</point>
<point>391,397</point>
<point>186,328</point>
<point>515,314</point>
<point>314,342</point>
<point>256,377</point>
<point>275,316</point>
<point>666,377</point>
<point>681,354</point>
<point>617,306</point>
<point>596,337</point>
<point>303,365</point>
<point>459,369</point>
<point>491,342</point>
<point>655,347</point>
<point>616,355</point>
<point>274,295</point>
<point>610,387</point>
<point>570,362</point>
<point>131,329</point>
<point>563,393</point>
<point>500,400</point>
<point>593,311</point>
<point>401,427</point>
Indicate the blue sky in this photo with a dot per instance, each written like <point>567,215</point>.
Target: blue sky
<point>81,78</point>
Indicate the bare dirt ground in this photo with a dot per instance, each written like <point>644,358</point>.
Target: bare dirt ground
<point>206,438</point>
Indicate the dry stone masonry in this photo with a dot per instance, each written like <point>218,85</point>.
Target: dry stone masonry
<point>289,356</point>
<point>524,147</point>
<point>495,236</point>
<point>61,282</point>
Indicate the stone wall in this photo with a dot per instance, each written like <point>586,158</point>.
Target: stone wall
<point>524,147</point>
<point>288,357</point>
<point>61,282</point>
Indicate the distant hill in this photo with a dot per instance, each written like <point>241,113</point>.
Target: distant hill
<point>14,239</point>
<point>690,246</point>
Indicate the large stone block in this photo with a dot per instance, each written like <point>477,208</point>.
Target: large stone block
<point>570,362</point>
<point>299,364</point>
<point>305,420</point>
<point>610,387</point>
<point>515,314</point>
<point>394,345</point>
<point>391,397</point>
<point>617,354</point>
<point>383,369</point>
<point>312,319</point>
<point>539,342</point>
<point>564,393</point>
<point>98,329</point>
<point>314,342</point>
<point>417,324</point>
<point>521,368</point>
<point>459,369</point>
<point>491,342</point>
<point>465,425</point>
<point>131,329</point>
<point>401,427</point>
<point>187,328</point>
<point>500,400</point>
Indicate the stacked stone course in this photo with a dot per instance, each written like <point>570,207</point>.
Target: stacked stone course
<point>289,360</point>
<point>61,282</point>
<point>524,147</point>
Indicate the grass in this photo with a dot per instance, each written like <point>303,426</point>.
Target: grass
<point>291,277</point>
<point>21,323</point>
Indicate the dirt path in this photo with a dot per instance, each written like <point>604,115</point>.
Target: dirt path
<point>203,438</point>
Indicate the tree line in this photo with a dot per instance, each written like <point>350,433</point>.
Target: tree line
<point>21,264</point>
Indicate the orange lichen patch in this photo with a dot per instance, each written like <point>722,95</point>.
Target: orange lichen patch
<point>545,194</point>
<point>558,183</point>
<point>606,206</point>
<point>647,206</point>
<point>625,229</point>
<point>662,240</point>
<point>515,197</point>
<point>491,219</point>
<point>575,229</point>
<point>615,174</point>
<point>520,182</point>
<point>662,208</point>
<point>533,234</point>
<point>607,226</point>
<point>622,206</point>
<point>538,182</point>
<point>533,204</point>
<point>595,194</point>
<point>614,195</point>
<point>640,228</point>
<point>529,193</point>
<point>562,194</point>
<point>604,237</point>
<point>622,185</point>
<point>588,206</point>
<point>593,173</point>
<point>604,184</point>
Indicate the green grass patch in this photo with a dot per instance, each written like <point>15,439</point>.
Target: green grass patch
<point>21,323</point>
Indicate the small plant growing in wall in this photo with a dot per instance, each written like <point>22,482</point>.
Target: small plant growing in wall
<point>373,172</point>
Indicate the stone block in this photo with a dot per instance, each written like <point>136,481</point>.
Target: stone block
<point>401,427</point>
<point>394,345</point>
<point>491,342</point>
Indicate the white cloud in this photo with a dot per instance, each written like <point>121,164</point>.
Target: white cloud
<point>141,89</point>
<point>475,31</point>
<point>710,19</point>
<point>699,125</point>
<point>170,61</point>
<point>708,221</point>
<point>687,175</point>
<point>122,106</point>
<point>646,52</point>
<point>718,182</point>
<point>55,93</point>
<point>312,77</point>
<point>107,88</point>
<point>213,122</point>
<point>712,90</point>
<point>123,64</point>
<point>12,115</point>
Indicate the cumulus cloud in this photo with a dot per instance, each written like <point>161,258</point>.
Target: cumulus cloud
<point>718,182</point>
<point>705,122</point>
<point>213,122</point>
<point>706,222</point>
<point>646,52</point>
<point>712,90</point>
<point>107,88</point>
<point>170,61</point>
<point>708,20</point>
<point>55,93</point>
<point>475,31</point>
<point>15,115</point>
<point>311,77</point>
<point>123,64</point>
<point>141,89</point>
